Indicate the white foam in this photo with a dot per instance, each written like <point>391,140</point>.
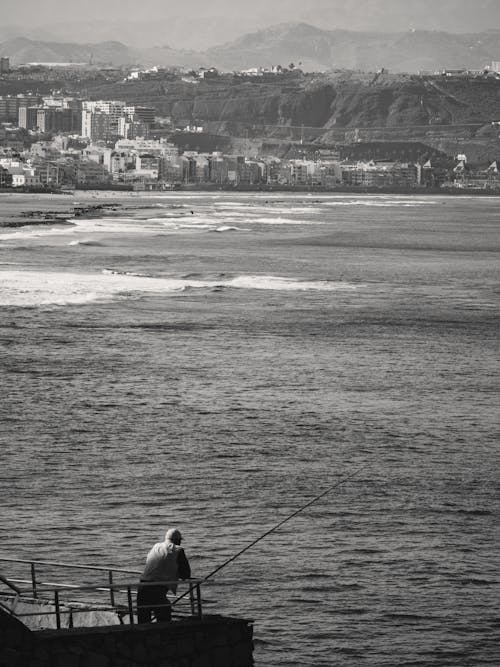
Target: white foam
<point>384,203</point>
<point>95,228</point>
<point>36,288</point>
<point>32,288</point>
<point>281,210</point>
<point>196,226</point>
<point>36,232</point>
<point>275,221</point>
<point>228,228</point>
<point>286,284</point>
<point>85,242</point>
<point>243,209</point>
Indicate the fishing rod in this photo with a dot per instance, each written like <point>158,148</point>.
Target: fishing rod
<point>278,525</point>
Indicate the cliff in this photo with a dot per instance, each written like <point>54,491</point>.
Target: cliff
<point>448,114</point>
<point>328,100</point>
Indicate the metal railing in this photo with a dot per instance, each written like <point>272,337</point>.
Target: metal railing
<point>58,598</point>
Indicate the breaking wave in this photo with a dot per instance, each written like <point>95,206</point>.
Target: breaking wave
<point>86,242</point>
<point>227,228</point>
<point>35,288</point>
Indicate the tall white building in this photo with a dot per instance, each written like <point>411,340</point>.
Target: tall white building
<point>100,118</point>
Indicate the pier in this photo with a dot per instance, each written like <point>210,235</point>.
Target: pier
<point>45,621</point>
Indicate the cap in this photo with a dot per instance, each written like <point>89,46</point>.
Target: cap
<point>173,535</point>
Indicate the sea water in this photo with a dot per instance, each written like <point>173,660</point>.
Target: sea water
<point>214,362</point>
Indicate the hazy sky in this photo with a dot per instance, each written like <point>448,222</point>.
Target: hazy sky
<point>236,16</point>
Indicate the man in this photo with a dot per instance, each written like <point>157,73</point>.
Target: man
<point>165,562</point>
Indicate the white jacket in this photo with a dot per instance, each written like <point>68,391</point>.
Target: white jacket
<point>161,564</point>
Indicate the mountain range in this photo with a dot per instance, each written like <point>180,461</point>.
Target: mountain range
<point>198,25</point>
<point>309,47</point>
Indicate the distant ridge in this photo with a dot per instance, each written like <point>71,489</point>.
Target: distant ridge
<point>199,25</point>
<point>22,50</point>
<point>307,46</point>
<point>319,49</point>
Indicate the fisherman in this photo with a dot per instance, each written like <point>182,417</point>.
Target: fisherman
<point>165,562</point>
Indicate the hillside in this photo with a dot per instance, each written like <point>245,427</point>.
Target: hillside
<point>329,107</point>
<point>336,99</point>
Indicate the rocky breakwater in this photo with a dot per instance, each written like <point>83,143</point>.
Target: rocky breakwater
<point>23,216</point>
<point>36,217</point>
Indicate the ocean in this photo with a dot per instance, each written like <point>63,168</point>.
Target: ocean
<point>215,361</point>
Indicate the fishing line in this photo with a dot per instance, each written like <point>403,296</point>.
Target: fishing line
<point>278,525</point>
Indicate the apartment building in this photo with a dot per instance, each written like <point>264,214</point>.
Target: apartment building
<point>380,174</point>
<point>10,105</point>
<point>56,119</point>
<point>27,117</point>
<point>100,119</point>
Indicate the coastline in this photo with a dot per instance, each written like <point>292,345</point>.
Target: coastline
<point>418,191</point>
<point>209,187</point>
<point>89,202</point>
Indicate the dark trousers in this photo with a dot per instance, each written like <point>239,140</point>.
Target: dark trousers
<point>153,601</point>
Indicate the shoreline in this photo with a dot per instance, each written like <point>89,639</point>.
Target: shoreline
<point>89,203</point>
<point>264,189</point>
<point>349,190</point>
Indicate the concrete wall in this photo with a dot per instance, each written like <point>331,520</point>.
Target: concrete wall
<point>16,642</point>
<point>215,641</point>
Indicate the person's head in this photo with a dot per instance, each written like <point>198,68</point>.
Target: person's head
<point>173,535</point>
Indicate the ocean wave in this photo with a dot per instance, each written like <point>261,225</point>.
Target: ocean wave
<point>227,228</point>
<point>234,204</point>
<point>383,203</point>
<point>168,219</point>
<point>287,284</point>
<point>79,226</point>
<point>38,232</point>
<point>476,581</point>
<point>36,288</point>
<point>86,242</point>
<point>93,229</point>
<point>198,226</point>
<point>275,221</point>
<point>114,272</point>
<point>252,209</point>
